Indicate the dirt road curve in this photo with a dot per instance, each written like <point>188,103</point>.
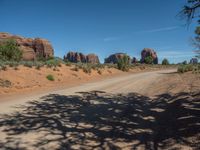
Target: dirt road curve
<point>105,115</point>
<point>138,83</point>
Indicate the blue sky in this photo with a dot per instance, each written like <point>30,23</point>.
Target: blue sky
<point>102,26</point>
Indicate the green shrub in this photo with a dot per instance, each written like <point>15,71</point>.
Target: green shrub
<point>29,64</point>
<point>196,69</point>
<point>50,77</point>
<point>123,63</point>
<point>38,65</point>
<point>185,68</point>
<point>111,65</point>
<point>86,68</point>
<point>53,63</point>
<point>165,62</point>
<point>9,50</point>
<point>148,60</point>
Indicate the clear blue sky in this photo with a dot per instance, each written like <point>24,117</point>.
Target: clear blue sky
<point>102,26</point>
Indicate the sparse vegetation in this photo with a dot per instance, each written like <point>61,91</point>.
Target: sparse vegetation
<point>185,68</point>
<point>9,51</point>
<point>5,83</point>
<point>3,67</point>
<point>148,60</point>
<point>50,77</point>
<point>86,68</point>
<point>196,69</point>
<point>29,64</point>
<point>75,68</point>
<point>123,63</point>
<point>99,72</point>
<point>165,62</point>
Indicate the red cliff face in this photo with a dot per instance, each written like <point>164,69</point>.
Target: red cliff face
<point>79,57</point>
<point>149,52</point>
<point>31,48</point>
<point>92,58</point>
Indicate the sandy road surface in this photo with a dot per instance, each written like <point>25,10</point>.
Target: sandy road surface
<point>103,115</point>
<point>138,83</point>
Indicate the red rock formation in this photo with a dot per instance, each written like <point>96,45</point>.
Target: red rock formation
<point>31,48</point>
<point>115,57</point>
<point>79,57</point>
<point>92,58</point>
<point>149,52</point>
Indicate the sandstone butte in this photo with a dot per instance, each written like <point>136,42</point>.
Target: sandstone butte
<point>31,48</point>
<point>80,57</point>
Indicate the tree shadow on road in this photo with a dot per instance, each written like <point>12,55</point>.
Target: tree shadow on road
<point>98,120</point>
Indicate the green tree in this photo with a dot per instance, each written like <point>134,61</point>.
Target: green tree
<point>165,62</point>
<point>148,60</point>
<point>123,63</point>
<point>196,41</point>
<point>191,12</point>
<point>10,51</point>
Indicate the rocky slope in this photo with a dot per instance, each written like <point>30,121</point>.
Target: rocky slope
<point>32,48</point>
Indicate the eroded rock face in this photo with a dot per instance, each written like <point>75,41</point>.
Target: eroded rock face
<point>92,58</point>
<point>76,57</point>
<point>31,48</point>
<point>149,52</point>
<point>114,58</point>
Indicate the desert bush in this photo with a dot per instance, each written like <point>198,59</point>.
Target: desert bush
<point>55,69</point>
<point>38,67</point>
<point>68,64</point>
<point>123,63</point>
<point>196,69</point>
<point>75,68</point>
<point>29,64</point>
<point>109,65</point>
<point>38,64</point>
<point>165,62</point>
<point>3,67</point>
<point>53,63</point>
<point>16,68</point>
<point>86,68</point>
<point>50,77</point>
<point>185,68</point>
<point>5,83</point>
<point>9,50</point>
<point>99,72</point>
<point>148,60</point>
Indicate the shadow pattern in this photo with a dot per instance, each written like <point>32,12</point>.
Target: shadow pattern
<point>98,120</point>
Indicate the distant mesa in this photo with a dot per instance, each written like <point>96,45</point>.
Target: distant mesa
<point>194,61</point>
<point>31,48</point>
<point>76,57</point>
<point>92,58</point>
<point>114,58</point>
<point>146,52</point>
